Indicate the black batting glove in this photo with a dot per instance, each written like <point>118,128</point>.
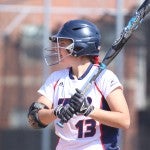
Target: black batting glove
<point>80,103</point>
<point>64,113</point>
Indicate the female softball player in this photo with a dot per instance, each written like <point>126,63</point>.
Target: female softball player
<point>91,122</point>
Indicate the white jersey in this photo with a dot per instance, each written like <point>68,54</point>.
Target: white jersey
<point>81,133</point>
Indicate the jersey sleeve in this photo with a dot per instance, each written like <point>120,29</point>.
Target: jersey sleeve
<point>108,82</point>
<point>47,89</point>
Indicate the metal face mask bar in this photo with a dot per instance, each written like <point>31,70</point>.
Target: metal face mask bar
<point>52,54</point>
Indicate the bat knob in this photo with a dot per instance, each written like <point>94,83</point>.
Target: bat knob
<point>60,124</point>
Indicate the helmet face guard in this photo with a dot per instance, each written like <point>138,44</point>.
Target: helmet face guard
<point>52,54</point>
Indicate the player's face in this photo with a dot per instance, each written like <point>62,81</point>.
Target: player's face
<point>59,52</point>
<point>65,54</point>
<point>63,45</point>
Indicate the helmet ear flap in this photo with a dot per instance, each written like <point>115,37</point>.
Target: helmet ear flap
<point>79,46</point>
<point>81,49</point>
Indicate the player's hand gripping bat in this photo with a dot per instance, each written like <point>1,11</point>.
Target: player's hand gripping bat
<point>118,44</point>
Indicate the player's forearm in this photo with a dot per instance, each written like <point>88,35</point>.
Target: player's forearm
<point>111,118</point>
<point>46,116</point>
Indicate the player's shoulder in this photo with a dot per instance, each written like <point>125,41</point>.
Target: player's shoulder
<point>59,74</point>
<point>107,74</point>
<point>62,71</point>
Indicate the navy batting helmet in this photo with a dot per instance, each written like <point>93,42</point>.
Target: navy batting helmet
<point>85,36</point>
